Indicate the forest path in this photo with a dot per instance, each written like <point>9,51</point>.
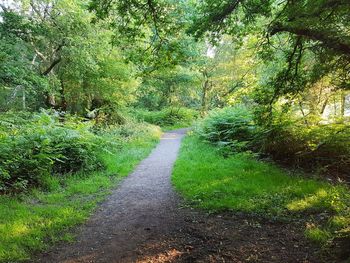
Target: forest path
<point>142,221</point>
<point>142,208</point>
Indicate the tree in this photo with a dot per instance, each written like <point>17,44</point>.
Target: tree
<point>63,56</point>
<point>305,40</point>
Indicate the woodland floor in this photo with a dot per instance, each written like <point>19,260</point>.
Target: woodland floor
<point>144,220</point>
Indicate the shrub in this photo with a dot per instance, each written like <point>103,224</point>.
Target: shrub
<point>231,128</point>
<point>118,135</point>
<point>281,140</point>
<point>43,145</point>
<point>34,146</point>
<point>322,148</point>
<point>167,116</point>
<point>329,149</point>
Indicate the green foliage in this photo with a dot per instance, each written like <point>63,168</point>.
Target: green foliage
<point>312,38</point>
<point>151,33</point>
<point>231,128</point>
<point>18,77</point>
<point>169,87</point>
<point>42,145</point>
<point>53,56</point>
<point>321,148</point>
<point>240,183</point>
<point>34,148</point>
<point>168,116</point>
<point>33,222</point>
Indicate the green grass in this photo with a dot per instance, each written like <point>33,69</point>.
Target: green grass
<point>168,118</point>
<point>240,183</point>
<point>175,126</point>
<point>34,221</point>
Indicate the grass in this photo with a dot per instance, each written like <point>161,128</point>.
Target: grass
<point>175,126</point>
<point>168,118</point>
<point>241,183</point>
<point>33,222</point>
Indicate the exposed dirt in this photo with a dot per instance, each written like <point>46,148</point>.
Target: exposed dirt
<point>143,221</point>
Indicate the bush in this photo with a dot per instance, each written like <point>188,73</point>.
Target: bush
<point>42,145</point>
<point>281,140</point>
<point>231,128</point>
<point>321,148</point>
<point>167,116</point>
<point>118,135</point>
<point>34,146</point>
<point>328,149</point>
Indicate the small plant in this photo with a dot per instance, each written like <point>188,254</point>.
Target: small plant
<point>316,234</point>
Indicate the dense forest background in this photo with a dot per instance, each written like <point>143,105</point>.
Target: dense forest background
<point>284,62</point>
<point>270,78</point>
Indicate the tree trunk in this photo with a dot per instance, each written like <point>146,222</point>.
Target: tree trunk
<point>50,100</point>
<point>63,104</point>
<point>324,105</point>
<point>342,104</point>
<point>23,98</point>
<point>205,90</point>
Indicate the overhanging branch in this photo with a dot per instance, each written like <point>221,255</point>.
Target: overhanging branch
<point>330,41</point>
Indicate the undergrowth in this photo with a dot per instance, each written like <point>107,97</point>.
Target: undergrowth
<point>318,148</point>
<point>34,219</point>
<point>168,118</point>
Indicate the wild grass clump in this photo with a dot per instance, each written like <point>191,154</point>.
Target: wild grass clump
<point>168,117</point>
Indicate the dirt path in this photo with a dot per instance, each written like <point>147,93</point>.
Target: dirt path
<point>143,221</point>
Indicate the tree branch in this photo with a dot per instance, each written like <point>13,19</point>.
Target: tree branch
<point>228,10</point>
<point>330,41</point>
<point>53,64</point>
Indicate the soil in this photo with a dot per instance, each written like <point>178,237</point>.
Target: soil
<point>144,220</point>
